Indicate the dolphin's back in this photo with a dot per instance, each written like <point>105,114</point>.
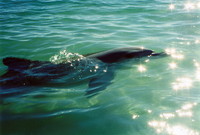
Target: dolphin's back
<point>118,54</point>
<point>96,67</point>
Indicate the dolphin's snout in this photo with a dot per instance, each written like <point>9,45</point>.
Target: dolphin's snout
<point>159,54</point>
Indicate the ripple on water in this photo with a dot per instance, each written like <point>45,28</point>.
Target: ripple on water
<point>145,96</point>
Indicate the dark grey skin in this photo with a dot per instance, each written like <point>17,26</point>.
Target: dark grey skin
<point>23,72</point>
<point>115,56</point>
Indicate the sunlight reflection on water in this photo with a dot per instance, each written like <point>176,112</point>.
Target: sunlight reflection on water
<point>142,68</point>
<point>186,6</point>
<point>186,82</point>
<point>197,74</point>
<point>174,53</point>
<point>171,6</point>
<point>81,26</point>
<point>189,6</point>
<point>163,126</point>
<point>182,83</point>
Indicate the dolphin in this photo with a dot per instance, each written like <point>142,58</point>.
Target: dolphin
<point>98,68</point>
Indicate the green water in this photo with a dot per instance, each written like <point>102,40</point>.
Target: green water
<point>159,96</point>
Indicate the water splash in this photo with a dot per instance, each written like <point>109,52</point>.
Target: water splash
<point>65,57</point>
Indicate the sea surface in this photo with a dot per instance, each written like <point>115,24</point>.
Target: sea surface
<point>151,97</point>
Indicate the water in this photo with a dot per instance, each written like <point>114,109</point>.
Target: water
<point>159,96</point>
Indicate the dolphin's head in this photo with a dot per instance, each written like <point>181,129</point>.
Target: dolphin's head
<point>136,52</point>
<point>120,54</point>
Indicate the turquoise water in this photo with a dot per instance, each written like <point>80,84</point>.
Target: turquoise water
<point>158,96</point>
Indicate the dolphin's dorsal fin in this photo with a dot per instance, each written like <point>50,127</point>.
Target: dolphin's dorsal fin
<point>16,63</point>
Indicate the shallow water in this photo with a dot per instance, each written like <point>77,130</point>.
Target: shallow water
<point>159,96</point>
